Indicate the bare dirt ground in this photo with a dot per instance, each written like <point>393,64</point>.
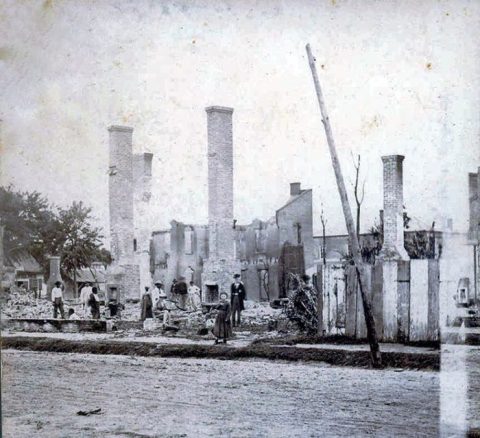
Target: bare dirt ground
<point>155,397</point>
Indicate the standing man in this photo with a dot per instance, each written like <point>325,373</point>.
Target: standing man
<point>84,297</point>
<point>94,303</point>
<point>57,300</point>
<point>194,300</point>
<point>237,298</point>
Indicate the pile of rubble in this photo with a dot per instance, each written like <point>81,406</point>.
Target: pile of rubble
<point>131,311</point>
<point>260,314</point>
<point>302,307</point>
<point>18,303</point>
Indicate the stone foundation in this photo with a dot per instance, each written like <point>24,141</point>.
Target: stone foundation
<point>220,272</point>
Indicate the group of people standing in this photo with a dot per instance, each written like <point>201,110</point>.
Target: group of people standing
<point>228,312</point>
<point>155,302</point>
<point>90,301</point>
<point>88,298</point>
<point>152,300</point>
<point>182,297</point>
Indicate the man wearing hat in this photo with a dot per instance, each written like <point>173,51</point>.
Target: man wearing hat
<point>161,308</point>
<point>237,297</point>
<point>57,300</point>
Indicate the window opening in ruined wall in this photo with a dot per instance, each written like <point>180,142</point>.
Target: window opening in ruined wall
<point>188,235</point>
<point>299,233</point>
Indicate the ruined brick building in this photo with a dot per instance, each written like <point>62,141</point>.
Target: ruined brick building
<point>211,254</point>
<point>207,254</point>
<point>129,197</point>
<point>413,294</point>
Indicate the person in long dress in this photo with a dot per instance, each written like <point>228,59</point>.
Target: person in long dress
<point>147,305</point>
<point>222,330</point>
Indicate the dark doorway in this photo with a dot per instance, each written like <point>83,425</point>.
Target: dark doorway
<point>211,294</point>
<point>291,262</point>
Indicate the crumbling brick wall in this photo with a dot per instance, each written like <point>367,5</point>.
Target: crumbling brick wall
<point>295,224</point>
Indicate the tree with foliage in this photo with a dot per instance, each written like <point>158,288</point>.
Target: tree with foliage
<point>79,242</point>
<point>32,224</point>
<point>28,220</point>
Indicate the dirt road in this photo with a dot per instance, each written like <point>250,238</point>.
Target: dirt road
<point>153,397</point>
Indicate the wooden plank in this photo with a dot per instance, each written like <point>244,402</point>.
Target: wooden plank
<point>403,303</point>
<point>377,297</point>
<point>433,300</point>
<point>361,325</point>
<point>390,301</point>
<point>351,301</point>
<point>418,300</point>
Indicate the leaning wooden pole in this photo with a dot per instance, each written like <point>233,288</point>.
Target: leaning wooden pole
<point>352,235</point>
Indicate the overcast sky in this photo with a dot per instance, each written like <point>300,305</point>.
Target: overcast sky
<point>399,77</point>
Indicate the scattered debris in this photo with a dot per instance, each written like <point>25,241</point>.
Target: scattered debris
<point>92,412</point>
<point>302,307</point>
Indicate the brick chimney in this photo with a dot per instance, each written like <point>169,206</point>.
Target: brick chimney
<point>121,193</point>
<point>221,264</point>
<point>54,274</point>
<point>295,188</point>
<point>142,213</point>
<point>393,240</point>
<point>220,181</point>
<point>124,271</point>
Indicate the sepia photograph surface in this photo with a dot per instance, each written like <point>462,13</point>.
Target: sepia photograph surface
<point>243,218</point>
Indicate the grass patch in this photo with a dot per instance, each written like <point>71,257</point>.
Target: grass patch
<point>263,351</point>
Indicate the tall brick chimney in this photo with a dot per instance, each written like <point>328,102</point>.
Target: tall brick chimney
<point>220,181</point>
<point>393,241</point>
<point>121,191</point>
<point>221,263</point>
<point>142,213</point>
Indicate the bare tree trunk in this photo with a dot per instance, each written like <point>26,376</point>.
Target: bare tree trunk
<point>358,220</point>
<point>323,271</point>
<point>353,237</point>
<point>319,287</point>
<point>324,241</point>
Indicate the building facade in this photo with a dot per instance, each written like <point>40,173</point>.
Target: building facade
<point>184,249</point>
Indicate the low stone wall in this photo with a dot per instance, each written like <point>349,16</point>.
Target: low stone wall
<point>54,325</point>
<point>69,326</point>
